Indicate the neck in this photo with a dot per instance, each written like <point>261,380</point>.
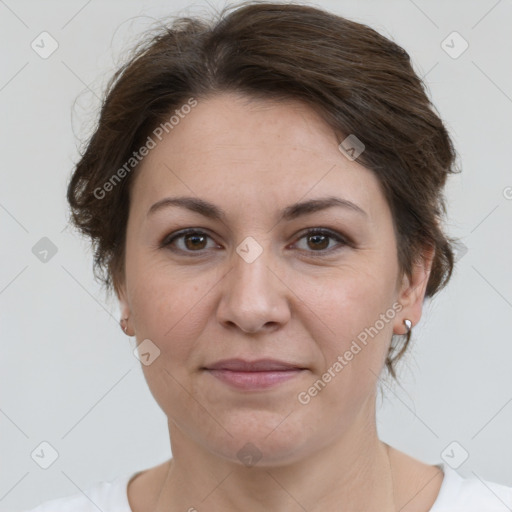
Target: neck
<point>352,473</point>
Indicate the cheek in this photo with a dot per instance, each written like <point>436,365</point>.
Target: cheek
<point>169,310</point>
<point>345,320</point>
<point>351,316</point>
<point>349,299</point>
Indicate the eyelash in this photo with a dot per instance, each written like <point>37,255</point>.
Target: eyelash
<point>313,231</point>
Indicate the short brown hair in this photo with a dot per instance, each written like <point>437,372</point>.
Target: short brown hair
<point>359,81</point>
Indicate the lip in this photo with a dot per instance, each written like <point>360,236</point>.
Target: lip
<point>259,365</point>
<point>254,375</point>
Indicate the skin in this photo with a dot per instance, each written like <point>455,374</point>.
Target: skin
<point>300,301</point>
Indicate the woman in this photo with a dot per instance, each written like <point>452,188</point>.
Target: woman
<point>265,195</point>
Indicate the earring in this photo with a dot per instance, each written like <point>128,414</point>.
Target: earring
<point>125,326</point>
<point>408,324</point>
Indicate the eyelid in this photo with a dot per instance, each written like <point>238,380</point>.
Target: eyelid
<point>330,233</point>
<point>175,235</point>
<point>341,239</point>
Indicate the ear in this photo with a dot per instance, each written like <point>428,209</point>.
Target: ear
<point>124,305</point>
<point>412,291</point>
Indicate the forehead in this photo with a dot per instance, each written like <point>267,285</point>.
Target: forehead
<point>232,146</point>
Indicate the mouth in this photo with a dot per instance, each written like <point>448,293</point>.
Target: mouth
<point>254,375</point>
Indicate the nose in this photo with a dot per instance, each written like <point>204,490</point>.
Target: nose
<point>254,295</point>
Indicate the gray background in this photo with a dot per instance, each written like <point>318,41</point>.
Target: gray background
<point>68,375</point>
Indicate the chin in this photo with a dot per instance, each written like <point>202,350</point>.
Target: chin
<point>263,439</point>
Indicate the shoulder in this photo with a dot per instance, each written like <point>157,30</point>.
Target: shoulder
<point>439,488</point>
<point>111,496</point>
<point>471,494</point>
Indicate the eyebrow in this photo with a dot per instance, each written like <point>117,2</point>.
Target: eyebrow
<point>291,212</point>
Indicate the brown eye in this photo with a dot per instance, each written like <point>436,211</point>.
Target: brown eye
<point>194,241</point>
<point>187,241</point>
<point>319,240</point>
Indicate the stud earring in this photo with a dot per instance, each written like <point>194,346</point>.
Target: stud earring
<point>408,324</point>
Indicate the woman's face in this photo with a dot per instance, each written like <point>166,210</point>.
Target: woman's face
<point>251,284</point>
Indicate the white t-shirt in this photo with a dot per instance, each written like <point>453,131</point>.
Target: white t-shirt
<point>457,494</point>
